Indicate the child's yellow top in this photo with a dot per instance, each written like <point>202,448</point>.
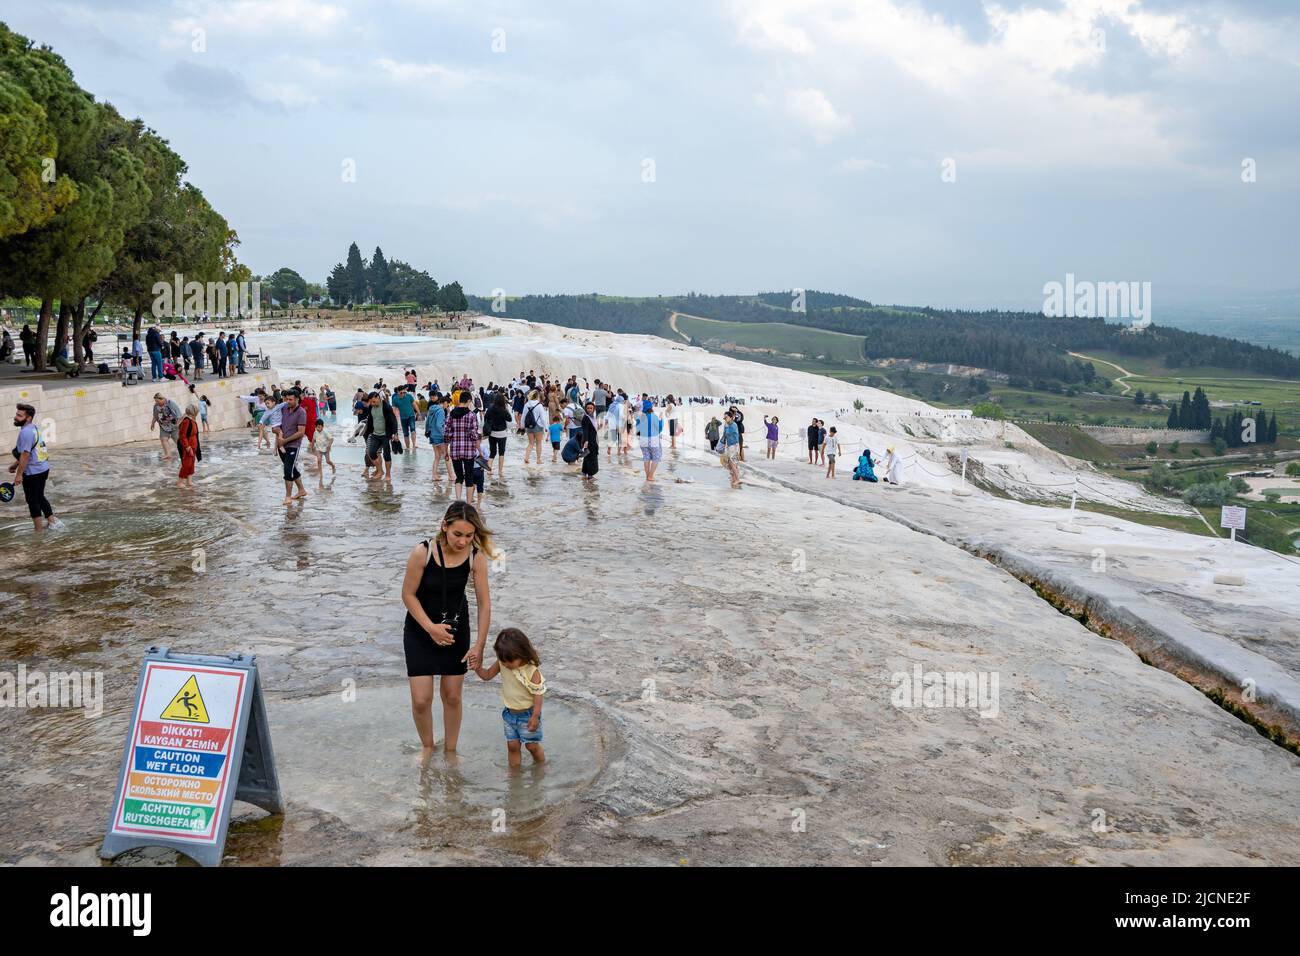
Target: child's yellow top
<point>518,686</point>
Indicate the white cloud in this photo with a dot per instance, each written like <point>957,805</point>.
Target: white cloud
<point>811,108</point>
<point>289,17</point>
<point>855,164</point>
<point>420,74</point>
<point>1009,100</point>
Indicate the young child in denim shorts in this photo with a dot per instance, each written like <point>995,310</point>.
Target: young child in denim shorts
<point>522,688</point>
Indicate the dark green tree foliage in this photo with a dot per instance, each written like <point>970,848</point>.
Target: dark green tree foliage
<point>1140,398</point>
<point>337,284</point>
<point>286,286</point>
<point>452,298</point>
<point>115,219</point>
<point>1201,414</point>
<point>1272,429</point>
<point>1029,345</point>
<point>380,280</point>
<point>1173,421</point>
<point>356,269</point>
<point>386,281</point>
<point>410,285</point>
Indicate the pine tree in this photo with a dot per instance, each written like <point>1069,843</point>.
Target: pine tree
<point>451,298</point>
<point>337,284</point>
<point>356,275</point>
<point>1185,412</point>
<point>1201,413</point>
<point>1172,421</point>
<point>1272,429</point>
<point>1261,427</point>
<point>380,279</point>
<point>1216,430</point>
<point>1140,398</point>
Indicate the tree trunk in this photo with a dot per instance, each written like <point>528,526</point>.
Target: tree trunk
<point>135,327</point>
<point>65,316</point>
<point>43,333</point>
<point>78,329</point>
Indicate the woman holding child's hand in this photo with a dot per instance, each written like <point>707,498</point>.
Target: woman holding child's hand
<point>436,634</point>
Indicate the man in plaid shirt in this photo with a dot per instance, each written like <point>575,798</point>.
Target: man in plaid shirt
<point>462,435</point>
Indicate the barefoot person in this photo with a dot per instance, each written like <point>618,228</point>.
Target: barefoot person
<point>535,422</point>
<point>650,429</point>
<point>462,435</point>
<point>187,443</point>
<point>522,688</point>
<point>321,443</point>
<point>288,440</point>
<point>167,419</point>
<point>731,448</point>
<point>496,422</point>
<point>434,427</point>
<point>380,429</point>
<point>773,435</point>
<point>832,451</point>
<point>436,633</point>
<point>32,467</point>
<point>590,444</point>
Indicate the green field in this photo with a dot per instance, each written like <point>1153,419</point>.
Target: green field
<point>835,347</point>
<point>839,356</point>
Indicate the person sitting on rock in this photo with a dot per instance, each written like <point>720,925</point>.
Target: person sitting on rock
<point>866,470</point>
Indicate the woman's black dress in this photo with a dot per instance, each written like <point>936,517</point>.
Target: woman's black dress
<point>442,595</point>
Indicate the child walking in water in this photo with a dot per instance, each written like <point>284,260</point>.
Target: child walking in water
<point>522,688</point>
<point>321,443</point>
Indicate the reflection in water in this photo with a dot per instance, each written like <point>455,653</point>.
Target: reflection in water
<point>652,497</point>
<point>313,590</point>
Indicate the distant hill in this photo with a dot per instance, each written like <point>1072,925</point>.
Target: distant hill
<point>1026,344</point>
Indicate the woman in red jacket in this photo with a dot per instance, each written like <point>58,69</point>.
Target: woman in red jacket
<point>187,440</point>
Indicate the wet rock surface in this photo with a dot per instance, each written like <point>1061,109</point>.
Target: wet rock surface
<point>722,666</point>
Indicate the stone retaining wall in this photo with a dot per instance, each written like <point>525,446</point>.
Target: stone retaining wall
<point>1122,435</point>
<point>103,412</point>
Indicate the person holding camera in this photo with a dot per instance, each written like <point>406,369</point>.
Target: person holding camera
<point>436,634</point>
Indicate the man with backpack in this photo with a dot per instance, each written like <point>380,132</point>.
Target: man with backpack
<point>535,423</point>
<point>462,434</point>
<point>712,432</point>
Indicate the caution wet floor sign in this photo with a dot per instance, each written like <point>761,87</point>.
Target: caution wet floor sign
<point>187,704</point>
<point>198,740</point>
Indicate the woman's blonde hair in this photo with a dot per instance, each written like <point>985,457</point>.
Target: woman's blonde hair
<point>464,511</point>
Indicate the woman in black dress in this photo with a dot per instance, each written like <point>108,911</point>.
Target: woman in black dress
<point>436,635</point>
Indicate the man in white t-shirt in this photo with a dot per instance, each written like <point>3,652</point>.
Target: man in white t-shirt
<point>832,451</point>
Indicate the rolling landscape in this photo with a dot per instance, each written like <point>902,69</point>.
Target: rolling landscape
<point>1052,376</point>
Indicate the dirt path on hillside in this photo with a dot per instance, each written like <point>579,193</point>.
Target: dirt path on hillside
<point>1124,373</point>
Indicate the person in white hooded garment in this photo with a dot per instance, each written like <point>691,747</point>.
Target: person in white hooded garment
<point>893,467</point>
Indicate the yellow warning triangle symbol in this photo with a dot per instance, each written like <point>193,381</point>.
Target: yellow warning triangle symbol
<point>187,704</point>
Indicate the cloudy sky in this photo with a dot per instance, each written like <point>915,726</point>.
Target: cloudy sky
<point>636,147</point>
